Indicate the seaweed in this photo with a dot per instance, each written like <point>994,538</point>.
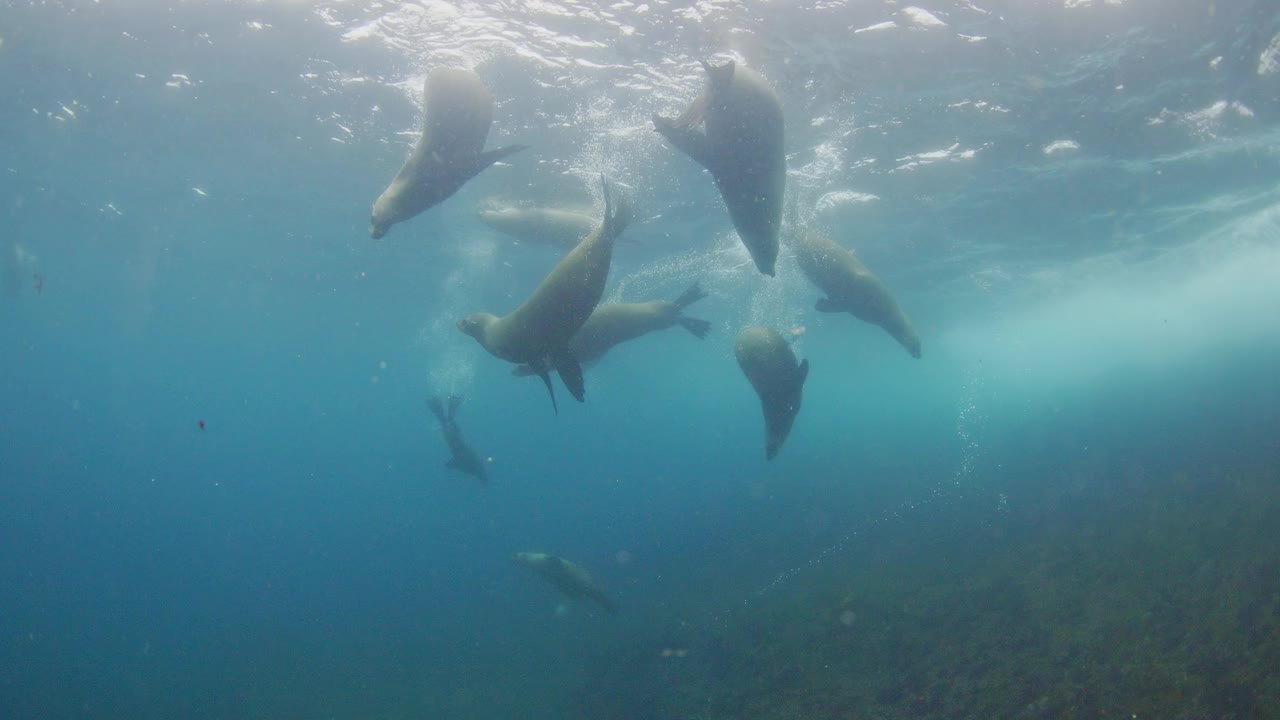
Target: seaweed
<point>1158,600</point>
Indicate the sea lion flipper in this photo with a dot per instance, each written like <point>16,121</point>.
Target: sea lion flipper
<point>697,326</point>
<point>687,139</point>
<point>546,380</point>
<point>485,159</point>
<point>802,373</point>
<point>609,605</point>
<point>617,211</point>
<point>826,305</point>
<point>571,375</point>
<point>690,296</point>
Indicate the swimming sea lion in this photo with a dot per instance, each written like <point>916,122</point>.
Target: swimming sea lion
<point>449,153</point>
<point>465,458</point>
<point>767,360</point>
<point>615,323</point>
<point>538,332</point>
<point>567,577</point>
<point>557,227</point>
<point>851,287</point>
<point>742,148</point>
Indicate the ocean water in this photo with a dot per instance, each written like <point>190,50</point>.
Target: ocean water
<point>222,494</point>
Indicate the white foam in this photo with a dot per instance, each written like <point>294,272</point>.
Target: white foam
<point>922,17</point>
<point>1058,146</point>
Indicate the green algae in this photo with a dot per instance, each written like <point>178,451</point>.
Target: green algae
<point>1101,600</point>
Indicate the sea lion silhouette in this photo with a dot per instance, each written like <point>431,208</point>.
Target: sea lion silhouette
<point>448,154</point>
<point>742,147</point>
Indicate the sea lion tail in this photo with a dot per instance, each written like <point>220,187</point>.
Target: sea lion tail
<point>437,408</point>
<point>698,327</point>
<point>690,296</point>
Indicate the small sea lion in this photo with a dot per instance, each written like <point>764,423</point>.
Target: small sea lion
<point>449,153</point>
<point>465,459</point>
<point>851,287</point>
<point>556,227</point>
<point>568,578</point>
<point>616,323</point>
<point>538,332</point>
<point>767,360</point>
<point>742,147</point>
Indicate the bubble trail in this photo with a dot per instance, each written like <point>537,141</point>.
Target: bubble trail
<point>970,422</point>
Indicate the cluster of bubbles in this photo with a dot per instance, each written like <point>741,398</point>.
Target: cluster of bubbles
<point>452,358</point>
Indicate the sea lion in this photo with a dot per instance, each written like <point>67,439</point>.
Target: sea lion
<point>449,153</point>
<point>557,227</point>
<point>767,360</point>
<point>538,332</point>
<point>851,287</point>
<point>568,578</point>
<point>616,323</point>
<point>742,148</point>
<point>465,459</point>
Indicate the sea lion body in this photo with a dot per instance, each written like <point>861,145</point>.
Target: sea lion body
<point>538,332</point>
<point>767,361</point>
<point>616,323</point>
<point>464,458</point>
<point>450,151</point>
<point>852,288</point>
<point>555,227</point>
<point>742,147</point>
<point>567,577</point>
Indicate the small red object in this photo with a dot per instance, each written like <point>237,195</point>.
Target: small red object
<point>201,424</point>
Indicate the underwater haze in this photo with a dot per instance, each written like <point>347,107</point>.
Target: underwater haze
<point>223,494</point>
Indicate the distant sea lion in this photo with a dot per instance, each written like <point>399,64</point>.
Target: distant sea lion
<point>616,323</point>
<point>449,153</point>
<point>538,332</point>
<point>767,360</point>
<point>742,148</point>
<point>568,578</point>
<point>556,227</point>
<point>851,287</point>
<point>465,459</point>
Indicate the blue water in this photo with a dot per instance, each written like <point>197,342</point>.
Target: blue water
<point>1077,205</point>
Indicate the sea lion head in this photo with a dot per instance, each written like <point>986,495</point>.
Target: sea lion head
<point>475,324</point>
<point>914,348</point>
<point>909,339</point>
<point>377,225</point>
<point>529,559</point>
